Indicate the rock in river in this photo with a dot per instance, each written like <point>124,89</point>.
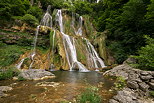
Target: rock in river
<point>36,74</point>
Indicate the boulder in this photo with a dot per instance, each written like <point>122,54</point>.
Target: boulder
<point>143,86</point>
<point>113,101</point>
<point>36,74</point>
<point>151,85</point>
<point>144,73</point>
<point>146,78</point>
<point>132,84</point>
<point>130,60</point>
<point>2,94</point>
<point>124,96</point>
<point>5,88</point>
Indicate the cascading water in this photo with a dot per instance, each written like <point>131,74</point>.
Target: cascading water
<point>47,18</point>
<point>97,62</point>
<point>69,45</point>
<point>46,21</point>
<point>34,50</point>
<point>79,32</point>
<point>18,66</point>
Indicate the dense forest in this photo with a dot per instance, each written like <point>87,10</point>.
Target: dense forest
<point>129,23</point>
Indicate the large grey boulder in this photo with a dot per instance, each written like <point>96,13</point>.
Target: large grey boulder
<point>36,74</point>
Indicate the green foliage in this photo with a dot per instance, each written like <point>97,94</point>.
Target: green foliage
<point>55,4</point>
<point>9,54</point>
<point>35,11</point>
<point>146,55</point>
<point>120,83</point>
<point>9,8</point>
<point>30,19</point>
<point>90,95</point>
<point>82,7</point>
<point>9,73</point>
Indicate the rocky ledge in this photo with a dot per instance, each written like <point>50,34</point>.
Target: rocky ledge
<point>35,74</point>
<point>139,84</point>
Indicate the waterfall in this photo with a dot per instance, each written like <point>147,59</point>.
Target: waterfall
<point>20,64</point>
<point>97,62</point>
<point>46,21</point>
<point>34,49</point>
<point>79,32</point>
<point>47,18</point>
<point>69,45</point>
<point>53,42</point>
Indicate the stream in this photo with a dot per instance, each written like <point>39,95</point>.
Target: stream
<point>66,86</point>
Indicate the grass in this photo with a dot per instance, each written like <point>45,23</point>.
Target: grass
<point>90,95</point>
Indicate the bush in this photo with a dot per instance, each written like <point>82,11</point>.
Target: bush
<point>90,95</point>
<point>9,73</point>
<point>146,55</point>
<point>35,11</point>
<point>120,83</point>
<point>30,19</point>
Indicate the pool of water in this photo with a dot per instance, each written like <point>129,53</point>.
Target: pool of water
<point>70,85</point>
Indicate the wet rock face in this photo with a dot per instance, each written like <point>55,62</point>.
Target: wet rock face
<point>36,74</point>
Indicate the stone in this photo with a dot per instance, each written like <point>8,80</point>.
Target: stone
<point>36,74</point>
<point>48,84</point>
<point>132,85</point>
<point>152,73</point>
<point>5,88</point>
<point>151,85</point>
<point>145,78</point>
<point>144,73</point>
<point>125,96</point>
<point>130,60</point>
<point>152,80</point>
<point>143,86</point>
<point>113,101</point>
<point>2,94</point>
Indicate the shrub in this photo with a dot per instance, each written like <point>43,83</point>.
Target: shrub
<point>9,73</point>
<point>30,19</point>
<point>90,95</point>
<point>35,11</point>
<point>146,55</point>
<point>120,83</point>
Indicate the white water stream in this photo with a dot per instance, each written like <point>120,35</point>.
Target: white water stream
<point>69,45</point>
